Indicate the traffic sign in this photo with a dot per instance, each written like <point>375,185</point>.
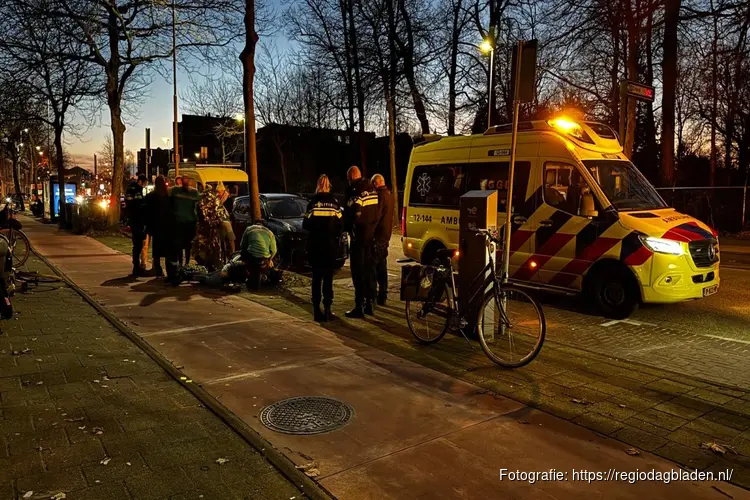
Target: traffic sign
<point>639,91</point>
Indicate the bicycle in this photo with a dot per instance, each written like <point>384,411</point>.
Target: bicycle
<point>510,322</point>
<point>18,242</point>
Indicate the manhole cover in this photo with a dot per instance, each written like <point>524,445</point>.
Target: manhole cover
<point>306,415</point>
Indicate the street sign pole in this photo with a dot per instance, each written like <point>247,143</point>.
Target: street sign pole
<point>634,90</point>
<point>511,167</point>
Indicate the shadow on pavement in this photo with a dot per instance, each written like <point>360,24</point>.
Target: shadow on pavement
<point>124,281</point>
<point>158,290</point>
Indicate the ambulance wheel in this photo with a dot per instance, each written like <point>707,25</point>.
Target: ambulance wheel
<point>614,291</point>
<point>429,254</point>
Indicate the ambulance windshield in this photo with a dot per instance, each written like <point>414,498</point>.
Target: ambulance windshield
<point>626,188</point>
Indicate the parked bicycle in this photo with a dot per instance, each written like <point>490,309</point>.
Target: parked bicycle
<point>510,322</point>
<point>18,242</point>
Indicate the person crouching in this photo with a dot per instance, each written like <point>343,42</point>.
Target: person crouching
<point>323,221</point>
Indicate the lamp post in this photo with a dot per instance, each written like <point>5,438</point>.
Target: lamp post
<point>174,81</point>
<point>488,48</point>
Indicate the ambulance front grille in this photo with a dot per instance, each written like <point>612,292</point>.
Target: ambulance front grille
<point>704,252</point>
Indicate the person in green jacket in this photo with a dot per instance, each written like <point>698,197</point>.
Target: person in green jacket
<point>185,198</point>
<point>257,250</point>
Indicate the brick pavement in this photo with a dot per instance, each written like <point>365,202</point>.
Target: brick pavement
<point>672,415</point>
<point>76,394</point>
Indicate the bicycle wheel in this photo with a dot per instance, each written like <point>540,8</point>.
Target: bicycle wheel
<point>514,338</point>
<point>428,321</point>
<point>19,246</point>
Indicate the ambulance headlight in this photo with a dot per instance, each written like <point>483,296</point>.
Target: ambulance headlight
<point>660,245</point>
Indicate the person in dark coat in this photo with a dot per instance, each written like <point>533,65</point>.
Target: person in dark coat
<point>360,219</point>
<point>383,231</point>
<point>136,214</point>
<point>185,199</point>
<point>323,221</point>
<point>160,224</point>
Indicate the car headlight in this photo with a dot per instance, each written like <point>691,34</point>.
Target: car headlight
<point>661,245</point>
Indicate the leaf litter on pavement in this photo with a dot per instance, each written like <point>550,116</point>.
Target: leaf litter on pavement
<point>310,469</point>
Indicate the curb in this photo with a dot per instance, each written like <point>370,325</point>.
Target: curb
<point>307,486</point>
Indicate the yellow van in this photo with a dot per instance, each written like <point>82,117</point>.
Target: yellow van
<point>234,179</point>
<point>584,218</point>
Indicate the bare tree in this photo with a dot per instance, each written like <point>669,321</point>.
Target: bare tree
<point>220,98</point>
<point>128,40</point>
<point>50,64</point>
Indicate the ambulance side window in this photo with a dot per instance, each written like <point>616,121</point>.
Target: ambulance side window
<point>437,186</point>
<point>564,186</point>
<point>489,176</point>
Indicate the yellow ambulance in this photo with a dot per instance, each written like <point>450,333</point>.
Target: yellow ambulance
<point>584,218</point>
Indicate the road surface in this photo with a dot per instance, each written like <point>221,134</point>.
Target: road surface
<point>707,338</point>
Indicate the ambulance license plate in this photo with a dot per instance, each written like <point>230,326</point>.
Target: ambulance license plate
<point>710,290</point>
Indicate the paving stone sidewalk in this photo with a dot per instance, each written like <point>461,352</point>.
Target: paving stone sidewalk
<point>85,413</point>
<point>672,415</point>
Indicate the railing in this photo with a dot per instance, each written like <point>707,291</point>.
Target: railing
<point>722,207</point>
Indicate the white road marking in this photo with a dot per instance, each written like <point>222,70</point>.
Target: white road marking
<point>726,338</point>
<point>204,327</point>
<point>627,322</point>
<point>275,368</point>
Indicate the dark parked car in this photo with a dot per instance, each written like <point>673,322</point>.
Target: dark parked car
<point>283,214</point>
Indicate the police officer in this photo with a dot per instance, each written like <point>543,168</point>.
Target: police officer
<point>383,231</point>
<point>360,219</point>
<point>323,221</point>
<point>135,210</point>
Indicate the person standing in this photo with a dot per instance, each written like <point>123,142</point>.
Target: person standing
<point>184,200</point>
<point>160,224</point>
<point>135,212</point>
<point>323,221</point>
<point>360,219</point>
<point>227,233</point>
<point>257,250</point>
<point>383,231</point>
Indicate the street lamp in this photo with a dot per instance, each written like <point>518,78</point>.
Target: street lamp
<point>488,48</point>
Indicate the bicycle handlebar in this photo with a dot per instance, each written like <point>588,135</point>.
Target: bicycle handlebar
<point>490,235</point>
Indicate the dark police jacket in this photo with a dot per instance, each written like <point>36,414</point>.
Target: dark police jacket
<point>324,223</point>
<point>135,206</point>
<point>361,212</point>
<point>384,227</point>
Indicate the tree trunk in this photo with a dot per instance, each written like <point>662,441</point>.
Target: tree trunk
<point>358,86</point>
<point>614,73</point>
<point>407,50</point>
<point>60,161</point>
<point>348,63</point>
<point>390,90</point>
<point>714,94</point>
<point>632,67</point>
<point>17,177</point>
<point>32,159</point>
<point>248,75</point>
<point>650,126</point>
<point>114,101</point>
<point>734,82</point>
<point>669,72</point>
<point>452,69</point>
<point>118,163</point>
